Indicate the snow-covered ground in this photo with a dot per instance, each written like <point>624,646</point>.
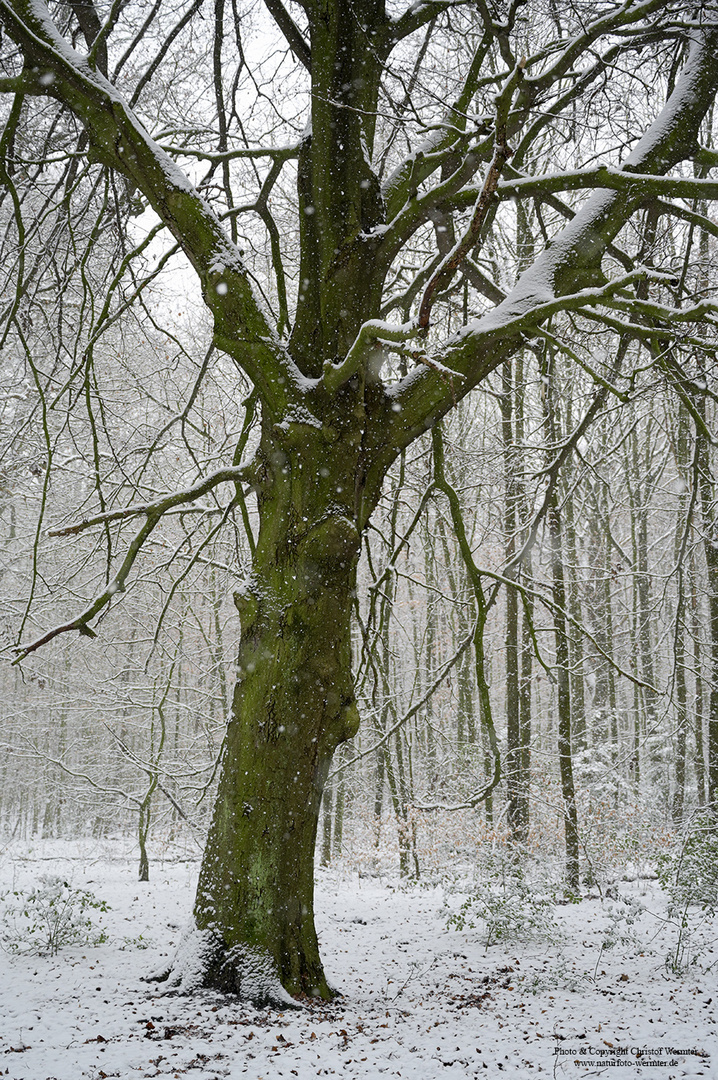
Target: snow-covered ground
<point>419,1000</point>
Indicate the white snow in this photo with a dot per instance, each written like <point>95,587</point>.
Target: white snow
<point>298,414</point>
<point>677,108</point>
<point>419,1000</point>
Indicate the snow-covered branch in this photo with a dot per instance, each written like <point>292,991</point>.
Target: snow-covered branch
<point>156,509</point>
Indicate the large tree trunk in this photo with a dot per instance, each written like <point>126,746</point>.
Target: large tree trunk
<point>293,705</point>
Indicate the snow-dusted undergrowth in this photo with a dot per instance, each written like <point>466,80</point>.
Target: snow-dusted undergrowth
<point>420,998</point>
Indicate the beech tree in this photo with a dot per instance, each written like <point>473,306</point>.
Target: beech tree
<point>422,124</point>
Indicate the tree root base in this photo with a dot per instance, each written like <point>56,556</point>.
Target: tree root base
<point>204,962</point>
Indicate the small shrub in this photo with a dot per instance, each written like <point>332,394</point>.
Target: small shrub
<point>623,914</point>
<point>48,917</point>
<point>507,913</point>
<point>561,975</point>
<point>689,877</point>
<point>139,942</point>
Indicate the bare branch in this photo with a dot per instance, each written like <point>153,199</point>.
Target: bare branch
<point>156,509</point>
<point>121,141</point>
<point>154,513</point>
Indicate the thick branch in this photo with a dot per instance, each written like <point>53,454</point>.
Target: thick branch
<point>291,31</point>
<point>418,15</point>
<point>634,183</point>
<point>556,281</point>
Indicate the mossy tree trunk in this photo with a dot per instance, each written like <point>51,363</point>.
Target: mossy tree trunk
<point>293,705</point>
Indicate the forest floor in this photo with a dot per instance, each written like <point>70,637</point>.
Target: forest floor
<point>586,996</point>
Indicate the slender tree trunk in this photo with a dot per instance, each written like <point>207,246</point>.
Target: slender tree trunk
<point>339,809</point>
<point>640,512</point>
<point>612,696</point>
<point>513,722</point>
<point>143,829</point>
<point>578,697</point>
<point>327,826</point>
<point>707,495</point>
<point>395,773</point>
<point>525,684</point>
<point>492,758</point>
<point>565,750</point>
<point>710,550</point>
<point>699,762</point>
<point>430,643</point>
<point>679,789</point>
<point>378,795</point>
<point>604,720</point>
<point>679,660</point>
<point>558,589</point>
<point>466,720</point>
<point>525,250</point>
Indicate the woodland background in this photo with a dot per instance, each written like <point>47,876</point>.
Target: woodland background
<point>481,617</point>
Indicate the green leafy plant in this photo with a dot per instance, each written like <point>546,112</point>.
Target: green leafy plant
<point>689,877</point>
<point>623,914</point>
<point>690,874</point>
<point>48,917</point>
<point>139,942</point>
<point>508,912</point>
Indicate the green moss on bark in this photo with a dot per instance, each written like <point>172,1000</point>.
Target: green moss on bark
<point>293,705</point>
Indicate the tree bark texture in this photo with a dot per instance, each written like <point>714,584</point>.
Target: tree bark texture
<point>293,705</point>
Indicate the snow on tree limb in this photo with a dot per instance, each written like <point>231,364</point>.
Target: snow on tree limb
<point>119,140</point>
<point>548,286</point>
